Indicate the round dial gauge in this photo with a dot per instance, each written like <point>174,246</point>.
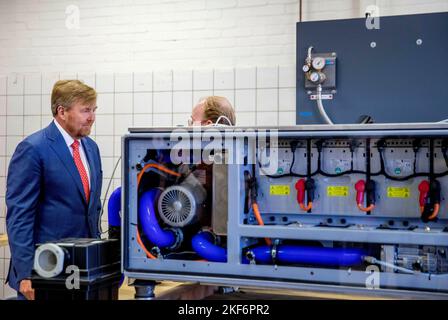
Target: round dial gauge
<point>314,77</point>
<point>318,63</point>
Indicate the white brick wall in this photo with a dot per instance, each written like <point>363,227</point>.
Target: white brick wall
<point>130,36</point>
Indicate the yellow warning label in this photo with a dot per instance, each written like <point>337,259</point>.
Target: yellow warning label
<point>398,192</point>
<point>338,191</point>
<point>280,190</point>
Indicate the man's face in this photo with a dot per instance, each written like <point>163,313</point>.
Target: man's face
<point>78,119</point>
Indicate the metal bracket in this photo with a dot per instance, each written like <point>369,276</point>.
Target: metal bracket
<point>327,96</point>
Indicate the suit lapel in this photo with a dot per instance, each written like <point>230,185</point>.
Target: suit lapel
<point>60,148</point>
<point>92,168</point>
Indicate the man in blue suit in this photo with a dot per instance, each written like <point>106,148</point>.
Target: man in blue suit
<point>54,182</point>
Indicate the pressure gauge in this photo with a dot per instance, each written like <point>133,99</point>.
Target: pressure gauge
<point>318,63</point>
<point>306,68</point>
<point>314,77</point>
<point>317,77</point>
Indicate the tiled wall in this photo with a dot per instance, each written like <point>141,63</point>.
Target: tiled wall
<point>261,96</point>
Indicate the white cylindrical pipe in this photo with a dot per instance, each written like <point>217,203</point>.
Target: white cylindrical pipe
<point>373,260</point>
<point>49,260</point>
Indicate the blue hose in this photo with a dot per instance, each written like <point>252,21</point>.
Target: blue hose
<point>203,245</point>
<point>150,225</point>
<point>121,280</point>
<point>287,254</point>
<point>114,219</point>
<point>291,254</point>
<point>114,208</point>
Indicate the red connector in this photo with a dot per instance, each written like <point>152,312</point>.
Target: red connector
<point>300,187</point>
<point>429,199</point>
<point>423,189</point>
<point>360,188</point>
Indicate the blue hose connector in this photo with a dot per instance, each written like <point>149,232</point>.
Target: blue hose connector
<point>114,208</point>
<point>150,225</point>
<point>203,245</point>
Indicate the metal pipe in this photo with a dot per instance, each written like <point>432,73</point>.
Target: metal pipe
<point>320,106</point>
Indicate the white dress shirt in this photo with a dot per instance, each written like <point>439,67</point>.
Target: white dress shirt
<point>69,141</point>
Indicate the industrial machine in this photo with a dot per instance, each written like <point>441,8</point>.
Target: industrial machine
<point>347,208</point>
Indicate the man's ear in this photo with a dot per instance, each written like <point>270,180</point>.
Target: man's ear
<point>208,123</point>
<point>60,111</point>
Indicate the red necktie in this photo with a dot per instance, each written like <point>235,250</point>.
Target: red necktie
<point>81,169</point>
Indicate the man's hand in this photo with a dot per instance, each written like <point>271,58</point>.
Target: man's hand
<point>26,289</point>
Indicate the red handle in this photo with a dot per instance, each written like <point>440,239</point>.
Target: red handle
<point>360,187</point>
<point>423,188</point>
<point>300,187</point>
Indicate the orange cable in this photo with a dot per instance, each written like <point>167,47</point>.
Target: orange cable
<point>369,208</point>
<point>307,208</point>
<point>139,177</point>
<point>157,166</point>
<point>435,212</point>
<point>260,220</point>
<point>139,241</point>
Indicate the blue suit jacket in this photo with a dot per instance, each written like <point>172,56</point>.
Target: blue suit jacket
<point>45,198</point>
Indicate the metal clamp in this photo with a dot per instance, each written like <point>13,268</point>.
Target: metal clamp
<point>274,251</point>
<point>250,255</point>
